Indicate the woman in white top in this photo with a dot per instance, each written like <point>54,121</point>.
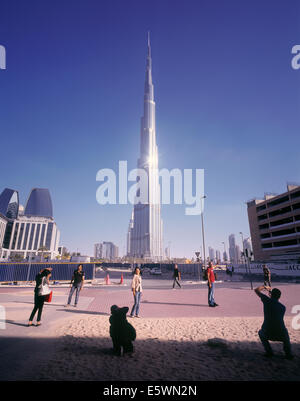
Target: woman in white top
<point>136,287</point>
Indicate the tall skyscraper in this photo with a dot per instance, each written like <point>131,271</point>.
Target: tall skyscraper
<point>232,248</point>
<point>237,254</point>
<point>146,227</point>
<point>211,253</point>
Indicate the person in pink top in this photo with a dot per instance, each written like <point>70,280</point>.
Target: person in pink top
<point>211,285</point>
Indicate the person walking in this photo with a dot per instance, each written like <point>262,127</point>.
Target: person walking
<point>176,276</point>
<point>136,287</point>
<point>77,283</point>
<point>267,276</point>
<point>211,285</point>
<point>41,290</point>
<point>273,327</point>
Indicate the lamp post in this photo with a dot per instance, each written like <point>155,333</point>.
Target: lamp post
<point>243,248</point>
<point>203,240</point>
<point>198,262</point>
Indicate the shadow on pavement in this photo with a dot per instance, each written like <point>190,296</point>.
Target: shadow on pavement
<point>173,303</point>
<point>83,312</point>
<point>79,358</point>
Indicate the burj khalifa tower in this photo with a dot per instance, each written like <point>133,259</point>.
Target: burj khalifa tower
<point>145,229</point>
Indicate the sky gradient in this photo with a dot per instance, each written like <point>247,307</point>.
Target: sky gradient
<point>227,101</point>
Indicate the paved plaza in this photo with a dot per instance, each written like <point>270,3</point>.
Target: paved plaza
<point>159,301</point>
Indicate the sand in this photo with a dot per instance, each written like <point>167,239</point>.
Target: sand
<point>173,349</point>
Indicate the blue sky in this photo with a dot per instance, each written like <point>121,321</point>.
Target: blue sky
<point>227,101</point>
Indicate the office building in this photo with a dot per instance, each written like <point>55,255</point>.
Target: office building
<point>275,225</point>
<point>232,249</point>
<point>30,231</point>
<point>106,250</point>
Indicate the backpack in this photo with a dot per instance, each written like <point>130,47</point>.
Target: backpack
<point>205,276</point>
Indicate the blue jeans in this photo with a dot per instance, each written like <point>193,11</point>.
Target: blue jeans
<point>211,293</point>
<point>136,305</point>
<point>73,288</point>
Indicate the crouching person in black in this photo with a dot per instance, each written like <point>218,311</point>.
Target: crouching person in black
<point>121,331</point>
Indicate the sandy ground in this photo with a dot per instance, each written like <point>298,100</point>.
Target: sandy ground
<point>166,349</point>
<point>178,337</point>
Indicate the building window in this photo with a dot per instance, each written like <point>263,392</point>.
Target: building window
<point>296,206</point>
<point>264,226</point>
<point>281,221</point>
<point>265,246</point>
<point>20,236</point>
<point>278,201</point>
<point>268,235</point>
<point>283,232</point>
<point>26,236</point>
<point>31,236</point>
<point>262,217</point>
<point>7,235</point>
<point>285,243</point>
<point>15,236</point>
<point>280,211</point>
<point>42,235</point>
<point>262,207</point>
<point>295,195</point>
<point>49,236</point>
<point>37,236</point>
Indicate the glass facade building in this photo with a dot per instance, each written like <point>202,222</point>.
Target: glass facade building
<point>32,233</point>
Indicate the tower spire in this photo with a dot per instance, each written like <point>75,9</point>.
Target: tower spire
<point>148,80</point>
<point>149,45</point>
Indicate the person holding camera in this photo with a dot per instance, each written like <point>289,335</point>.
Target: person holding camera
<point>273,327</point>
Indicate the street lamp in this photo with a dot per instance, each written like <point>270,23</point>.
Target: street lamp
<point>198,262</point>
<point>203,240</point>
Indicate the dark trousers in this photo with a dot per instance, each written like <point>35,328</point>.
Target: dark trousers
<point>38,306</point>
<point>284,338</point>
<point>176,281</point>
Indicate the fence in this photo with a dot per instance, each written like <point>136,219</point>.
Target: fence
<point>28,271</point>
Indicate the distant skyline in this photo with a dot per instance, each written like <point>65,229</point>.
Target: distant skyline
<point>227,101</point>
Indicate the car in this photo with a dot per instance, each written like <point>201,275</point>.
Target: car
<point>155,271</point>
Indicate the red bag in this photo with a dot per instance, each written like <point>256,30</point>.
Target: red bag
<point>48,298</point>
